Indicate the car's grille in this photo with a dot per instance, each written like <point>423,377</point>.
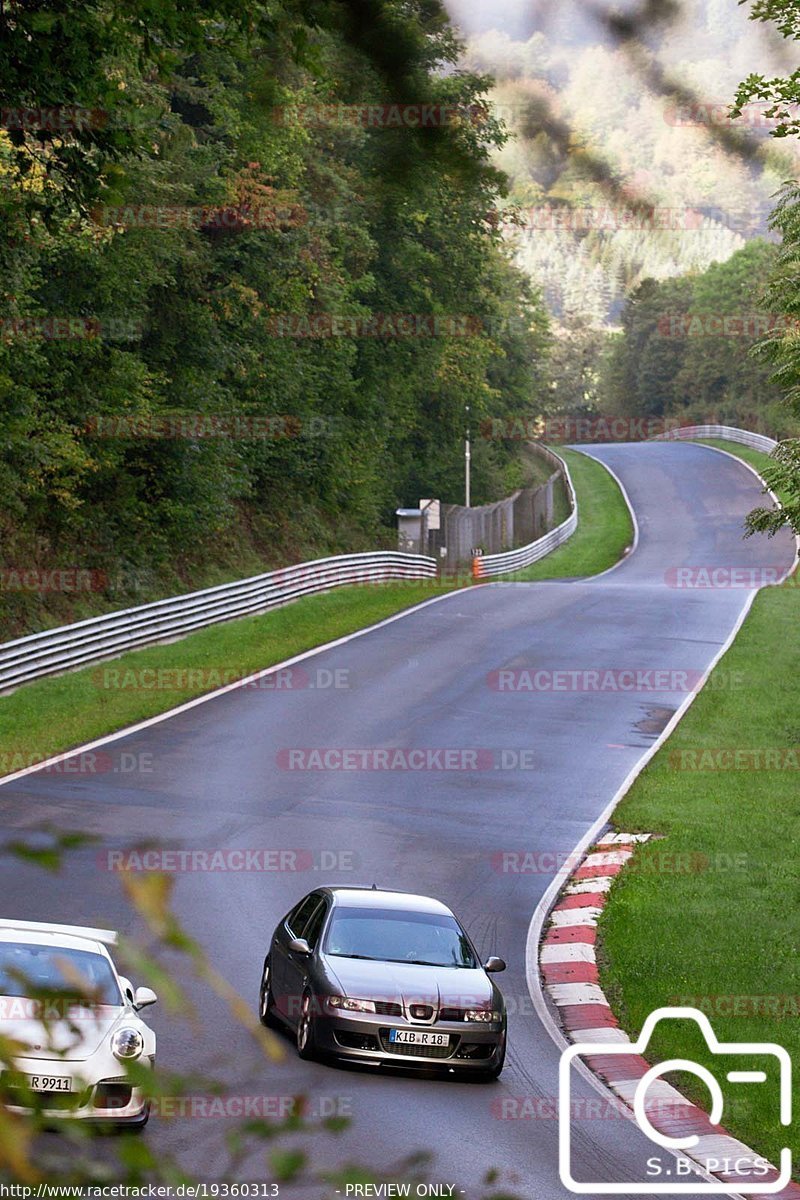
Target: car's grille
<point>388,1008</point>
<point>413,1051</point>
<point>451,1014</point>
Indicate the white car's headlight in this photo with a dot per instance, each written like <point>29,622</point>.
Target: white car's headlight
<point>481,1014</point>
<point>351,1005</point>
<point>127,1043</point>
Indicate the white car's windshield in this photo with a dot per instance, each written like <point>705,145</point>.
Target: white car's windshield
<point>31,970</point>
<point>387,935</point>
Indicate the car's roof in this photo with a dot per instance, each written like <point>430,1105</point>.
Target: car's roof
<point>356,897</point>
<point>63,941</point>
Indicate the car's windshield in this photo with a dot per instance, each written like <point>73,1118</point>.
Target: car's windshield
<point>36,971</point>
<point>389,935</point>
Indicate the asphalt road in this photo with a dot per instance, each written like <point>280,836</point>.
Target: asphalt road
<point>217,776</point>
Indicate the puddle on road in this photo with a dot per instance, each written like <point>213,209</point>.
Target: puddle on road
<point>655,720</point>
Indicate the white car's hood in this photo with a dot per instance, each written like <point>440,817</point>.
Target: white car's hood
<point>75,1036</point>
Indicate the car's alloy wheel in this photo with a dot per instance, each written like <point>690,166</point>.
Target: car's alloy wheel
<point>305,1029</point>
<point>266,1004</point>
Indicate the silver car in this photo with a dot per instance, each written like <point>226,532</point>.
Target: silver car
<point>384,978</point>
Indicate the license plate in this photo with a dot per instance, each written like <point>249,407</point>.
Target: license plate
<point>49,1083</point>
<point>419,1037</point>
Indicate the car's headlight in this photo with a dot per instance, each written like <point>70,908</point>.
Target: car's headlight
<point>481,1014</point>
<point>127,1043</point>
<point>351,1005</point>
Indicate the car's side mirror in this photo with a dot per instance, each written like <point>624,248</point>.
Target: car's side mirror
<point>143,996</point>
<point>300,946</point>
<point>127,989</point>
<point>494,964</point>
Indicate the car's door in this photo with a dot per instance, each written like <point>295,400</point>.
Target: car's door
<point>298,966</point>
<point>290,927</point>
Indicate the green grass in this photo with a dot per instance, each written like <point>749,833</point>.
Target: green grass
<point>55,714</point>
<point>604,532</point>
<point>51,715</point>
<point>708,914</point>
<point>754,457</point>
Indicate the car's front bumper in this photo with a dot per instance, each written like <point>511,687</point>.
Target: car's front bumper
<point>104,1096</point>
<point>364,1037</point>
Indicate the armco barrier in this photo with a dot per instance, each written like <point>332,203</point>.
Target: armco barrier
<point>514,560</point>
<point>56,650</point>
<point>725,433</point>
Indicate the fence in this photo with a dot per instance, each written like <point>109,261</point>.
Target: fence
<point>56,650</point>
<point>515,560</point>
<point>519,518</point>
<point>725,433</point>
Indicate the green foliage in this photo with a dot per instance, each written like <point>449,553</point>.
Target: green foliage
<point>687,347</point>
<point>781,93</point>
<point>258,215</point>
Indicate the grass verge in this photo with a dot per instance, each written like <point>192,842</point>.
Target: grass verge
<point>604,532</point>
<point>54,714</point>
<point>51,715</point>
<point>707,916</point>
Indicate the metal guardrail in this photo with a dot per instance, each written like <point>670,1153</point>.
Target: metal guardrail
<point>514,560</point>
<point>97,638</point>
<point>725,433</point>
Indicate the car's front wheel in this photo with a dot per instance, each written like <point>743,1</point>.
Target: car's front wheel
<point>266,1003</point>
<point>306,1041</point>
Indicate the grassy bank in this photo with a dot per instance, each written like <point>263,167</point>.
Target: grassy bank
<point>50,715</point>
<point>708,915</point>
<point>604,532</point>
<point>54,714</point>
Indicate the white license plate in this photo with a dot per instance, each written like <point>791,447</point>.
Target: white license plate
<point>419,1037</point>
<point>49,1083</point>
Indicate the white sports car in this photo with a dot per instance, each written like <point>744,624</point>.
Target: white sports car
<point>72,1024</point>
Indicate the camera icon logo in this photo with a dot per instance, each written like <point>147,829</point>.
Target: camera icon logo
<point>680,1170</point>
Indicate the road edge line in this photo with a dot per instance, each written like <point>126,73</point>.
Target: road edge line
<point>562,876</point>
<point>248,680</point>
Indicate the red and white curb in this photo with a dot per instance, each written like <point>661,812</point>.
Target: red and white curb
<point>568,966</point>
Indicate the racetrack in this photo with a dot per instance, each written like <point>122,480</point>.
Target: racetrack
<point>217,776</point>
